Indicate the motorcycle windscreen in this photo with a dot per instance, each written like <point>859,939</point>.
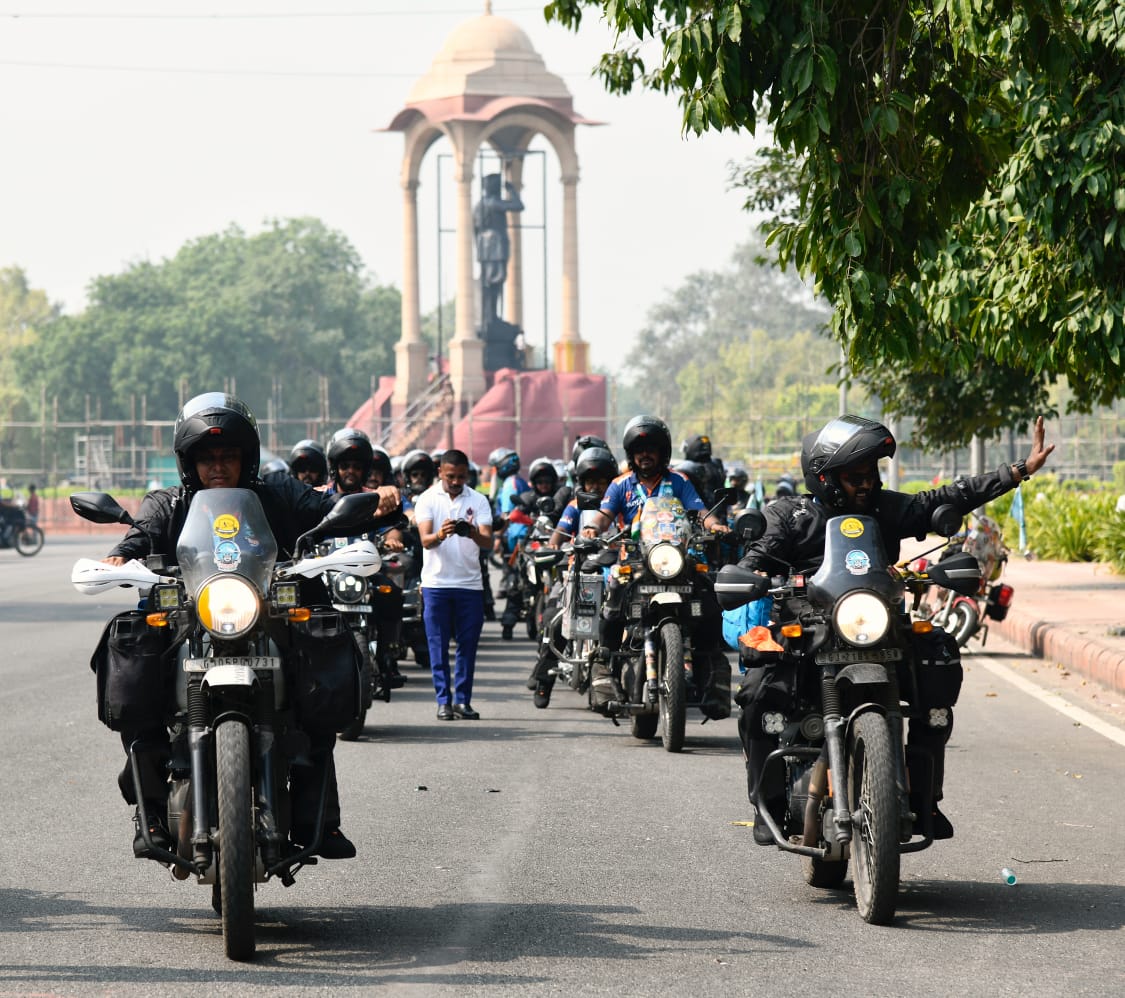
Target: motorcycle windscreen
<point>662,520</point>
<point>853,559</point>
<point>226,533</point>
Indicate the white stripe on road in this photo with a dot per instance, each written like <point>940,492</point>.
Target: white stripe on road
<point>1054,701</point>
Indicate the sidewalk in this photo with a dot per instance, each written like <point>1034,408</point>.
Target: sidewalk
<point>1070,613</point>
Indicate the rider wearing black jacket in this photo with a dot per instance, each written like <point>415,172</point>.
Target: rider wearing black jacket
<point>842,476</point>
<point>217,446</point>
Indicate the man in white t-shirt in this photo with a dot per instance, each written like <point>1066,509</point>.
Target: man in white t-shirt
<point>455,525</point>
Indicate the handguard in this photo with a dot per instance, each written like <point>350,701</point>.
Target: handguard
<point>92,577</point>
<point>359,558</point>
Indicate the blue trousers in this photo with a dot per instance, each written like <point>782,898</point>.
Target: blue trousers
<point>457,613</point>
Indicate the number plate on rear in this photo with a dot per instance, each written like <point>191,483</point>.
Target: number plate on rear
<point>248,661</point>
<point>858,655</point>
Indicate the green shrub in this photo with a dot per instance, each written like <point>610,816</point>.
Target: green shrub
<point>1119,476</point>
<point>1064,525</point>
<point>1111,541</point>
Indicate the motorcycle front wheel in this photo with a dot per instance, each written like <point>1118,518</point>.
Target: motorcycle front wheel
<point>673,688</point>
<point>963,622</point>
<point>236,838</point>
<point>29,541</point>
<point>367,681</point>
<point>874,803</point>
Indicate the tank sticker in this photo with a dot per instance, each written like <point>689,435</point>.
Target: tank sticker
<point>852,528</point>
<point>857,562</point>
<point>228,556</point>
<point>226,526</point>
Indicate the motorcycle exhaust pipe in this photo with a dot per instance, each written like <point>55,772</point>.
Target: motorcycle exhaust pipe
<point>818,786</point>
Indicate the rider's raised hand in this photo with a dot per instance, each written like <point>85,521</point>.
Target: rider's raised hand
<point>1039,453</point>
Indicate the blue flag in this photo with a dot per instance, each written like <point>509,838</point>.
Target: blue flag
<point>1017,515</point>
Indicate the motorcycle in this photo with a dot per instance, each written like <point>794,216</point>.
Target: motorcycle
<point>352,596</point>
<point>662,569</point>
<point>841,750</point>
<point>963,615</point>
<point>234,733</point>
<point>532,562</point>
<point>19,532</point>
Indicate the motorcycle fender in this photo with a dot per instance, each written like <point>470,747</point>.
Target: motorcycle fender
<point>865,708</point>
<point>666,599</point>
<point>229,675</point>
<point>863,674</point>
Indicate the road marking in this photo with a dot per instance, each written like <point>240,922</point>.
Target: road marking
<point>1054,701</point>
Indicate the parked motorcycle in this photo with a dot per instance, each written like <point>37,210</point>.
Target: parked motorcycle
<point>841,749</point>
<point>234,731</point>
<point>17,531</point>
<point>664,570</point>
<point>963,615</point>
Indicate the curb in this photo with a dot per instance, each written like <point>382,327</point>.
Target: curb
<point>1087,656</point>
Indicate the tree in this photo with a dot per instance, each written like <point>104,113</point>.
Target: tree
<point>25,316</point>
<point>268,315</point>
<point>956,168</point>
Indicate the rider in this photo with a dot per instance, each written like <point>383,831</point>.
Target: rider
<point>697,449</point>
<point>351,458</point>
<point>419,471</point>
<point>216,443</point>
<point>739,479</point>
<point>595,468</point>
<point>544,479</point>
<point>648,449</point>
<point>840,463</point>
<point>308,463</point>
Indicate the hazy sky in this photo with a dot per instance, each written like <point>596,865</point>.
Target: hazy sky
<point>121,137</point>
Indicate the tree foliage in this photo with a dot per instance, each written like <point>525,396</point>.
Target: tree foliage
<point>266,315</point>
<point>951,173</point>
<point>25,316</point>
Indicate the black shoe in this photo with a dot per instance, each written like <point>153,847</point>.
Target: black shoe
<point>762,834</point>
<point>542,696</point>
<point>392,678</point>
<point>943,827</point>
<point>463,710</point>
<point>334,844</point>
<point>445,712</point>
<point>158,831</point>
<point>533,681</point>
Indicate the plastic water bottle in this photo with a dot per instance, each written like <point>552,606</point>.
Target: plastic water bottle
<point>1008,876</point>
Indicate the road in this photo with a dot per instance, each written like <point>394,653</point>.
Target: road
<point>545,852</point>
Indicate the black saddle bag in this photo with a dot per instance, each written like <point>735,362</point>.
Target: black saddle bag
<point>132,663</point>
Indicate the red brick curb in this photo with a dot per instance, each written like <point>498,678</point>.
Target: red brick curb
<point>1087,656</point>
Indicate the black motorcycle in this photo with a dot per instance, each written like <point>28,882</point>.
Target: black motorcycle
<point>224,607</point>
<point>846,633</point>
<point>17,531</point>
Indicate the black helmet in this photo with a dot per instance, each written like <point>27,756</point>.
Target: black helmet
<point>505,460</point>
<point>845,441</point>
<point>582,443</point>
<point>595,462</point>
<point>381,460</point>
<point>698,448</point>
<point>216,418</point>
<point>648,429</point>
<point>543,467</point>
<point>738,474</point>
<point>419,460</point>
<point>697,473</point>
<point>352,444</point>
<point>309,454</point>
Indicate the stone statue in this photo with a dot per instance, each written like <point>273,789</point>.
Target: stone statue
<point>490,228</point>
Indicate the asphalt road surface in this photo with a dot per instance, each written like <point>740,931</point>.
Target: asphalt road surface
<point>546,852</point>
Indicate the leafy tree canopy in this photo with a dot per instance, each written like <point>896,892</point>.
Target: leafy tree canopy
<point>25,316</point>
<point>269,314</point>
<point>955,169</point>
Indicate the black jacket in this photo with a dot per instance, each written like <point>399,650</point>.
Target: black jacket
<point>794,536</point>
<point>290,506</point>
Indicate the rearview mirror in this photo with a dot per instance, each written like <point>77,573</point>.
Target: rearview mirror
<point>350,513</point>
<point>99,507</point>
<point>750,524</point>
<point>946,521</point>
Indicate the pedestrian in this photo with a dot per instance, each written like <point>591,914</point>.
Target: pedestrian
<point>31,507</point>
<point>455,523</point>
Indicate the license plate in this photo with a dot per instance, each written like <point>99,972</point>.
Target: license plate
<point>666,589</point>
<point>858,655</point>
<point>248,661</point>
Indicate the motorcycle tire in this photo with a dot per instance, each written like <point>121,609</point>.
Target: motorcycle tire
<point>673,688</point>
<point>875,826</point>
<point>825,873</point>
<point>535,616</point>
<point>644,726</point>
<point>235,795</point>
<point>963,622</point>
<point>29,541</point>
<point>355,729</point>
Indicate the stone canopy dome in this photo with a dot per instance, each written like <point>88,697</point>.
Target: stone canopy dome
<point>488,56</point>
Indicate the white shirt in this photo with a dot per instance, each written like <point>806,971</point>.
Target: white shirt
<point>455,562</point>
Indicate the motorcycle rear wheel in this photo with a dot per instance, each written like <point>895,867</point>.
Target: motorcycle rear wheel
<point>826,873</point>
<point>236,838</point>
<point>673,688</point>
<point>29,541</point>
<point>874,803</point>
<point>644,726</point>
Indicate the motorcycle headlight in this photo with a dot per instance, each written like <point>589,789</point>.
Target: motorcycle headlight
<point>666,561</point>
<point>862,619</point>
<point>349,588</point>
<point>228,607</point>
